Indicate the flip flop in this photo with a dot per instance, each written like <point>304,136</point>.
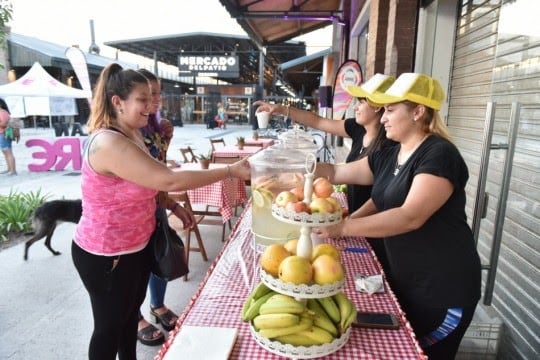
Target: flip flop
<point>145,336</point>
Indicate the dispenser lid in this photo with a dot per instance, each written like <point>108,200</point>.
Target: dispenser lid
<point>279,157</point>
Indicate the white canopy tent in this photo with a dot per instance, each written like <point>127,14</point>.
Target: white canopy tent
<point>38,93</point>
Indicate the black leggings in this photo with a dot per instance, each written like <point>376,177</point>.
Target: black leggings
<point>117,288</point>
<point>439,330</point>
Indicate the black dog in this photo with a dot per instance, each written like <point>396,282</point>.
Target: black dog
<point>47,216</point>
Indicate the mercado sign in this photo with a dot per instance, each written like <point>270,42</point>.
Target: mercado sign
<point>218,66</point>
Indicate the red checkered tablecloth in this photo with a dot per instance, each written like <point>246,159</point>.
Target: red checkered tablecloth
<point>265,142</point>
<point>232,151</point>
<point>219,299</point>
<point>224,194</point>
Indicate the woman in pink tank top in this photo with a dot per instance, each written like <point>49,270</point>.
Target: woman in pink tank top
<point>119,183</point>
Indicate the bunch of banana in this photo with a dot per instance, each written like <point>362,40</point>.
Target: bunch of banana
<point>281,304</point>
<point>306,333</point>
<point>347,311</point>
<point>258,296</point>
<point>289,321</point>
<point>322,319</point>
<point>335,313</point>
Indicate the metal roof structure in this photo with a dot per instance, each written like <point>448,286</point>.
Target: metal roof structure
<point>25,50</point>
<point>167,48</point>
<point>285,62</point>
<point>270,22</point>
<point>304,73</point>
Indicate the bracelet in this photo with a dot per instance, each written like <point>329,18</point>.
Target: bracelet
<point>176,206</point>
<point>288,106</point>
<point>229,173</point>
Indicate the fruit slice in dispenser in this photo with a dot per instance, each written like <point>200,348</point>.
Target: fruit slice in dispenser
<point>262,198</point>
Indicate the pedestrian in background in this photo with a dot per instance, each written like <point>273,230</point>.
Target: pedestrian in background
<point>419,194</point>
<point>157,135</point>
<point>9,132</point>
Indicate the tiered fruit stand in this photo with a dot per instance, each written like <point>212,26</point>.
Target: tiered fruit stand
<point>303,291</point>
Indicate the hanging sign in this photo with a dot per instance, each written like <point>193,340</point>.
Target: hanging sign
<point>349,73</point>
<point>215,66</point>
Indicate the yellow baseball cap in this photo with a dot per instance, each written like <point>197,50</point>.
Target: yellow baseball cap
<point>378,83</point>
<point>415,87</point>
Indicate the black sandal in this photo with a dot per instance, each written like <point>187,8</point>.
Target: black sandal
<point>164,319</point>
<point>145,336</point>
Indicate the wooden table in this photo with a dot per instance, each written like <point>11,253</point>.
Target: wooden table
<point>220,296</point>
<point>224,194</point>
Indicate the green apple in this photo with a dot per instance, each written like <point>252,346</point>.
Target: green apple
<point>285,197</point>
<point>321,205</point>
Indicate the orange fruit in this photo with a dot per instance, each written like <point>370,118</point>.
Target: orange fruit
<point>327,270</point>
<point>291,246</point>
<point>327,249</point>
<point>295,269</point>
<point>272,256</point>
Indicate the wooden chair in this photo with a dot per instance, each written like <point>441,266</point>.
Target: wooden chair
<point>177,225</point>
<point>214,142</point>
<point>204,216</point>
<point>188,155</point>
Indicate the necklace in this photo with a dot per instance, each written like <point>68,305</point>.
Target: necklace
<point>397,169</point>
<point>399,166</point>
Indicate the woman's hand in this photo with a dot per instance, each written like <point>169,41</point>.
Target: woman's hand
<point>240,169</point>
<point>264,106</point>
<point>332,231</point>
<point>186,216</point>
<point>167,128</point>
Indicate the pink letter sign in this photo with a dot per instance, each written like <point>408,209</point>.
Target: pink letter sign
<point>64,150</point>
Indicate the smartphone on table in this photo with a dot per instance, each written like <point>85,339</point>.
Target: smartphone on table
<point>373,320</point>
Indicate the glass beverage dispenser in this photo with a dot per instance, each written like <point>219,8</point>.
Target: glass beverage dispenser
<point>273,170</point>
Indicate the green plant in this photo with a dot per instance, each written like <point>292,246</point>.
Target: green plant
<point>207,156</point>
<point>16,212</point>
<point>240,140</point>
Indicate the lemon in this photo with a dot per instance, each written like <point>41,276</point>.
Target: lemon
<point>258,198</point>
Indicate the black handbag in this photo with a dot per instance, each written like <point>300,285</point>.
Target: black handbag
<point>168,252</point>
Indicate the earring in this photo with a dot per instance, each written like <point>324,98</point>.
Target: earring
<point>414,119</point>
<point>121,111</point>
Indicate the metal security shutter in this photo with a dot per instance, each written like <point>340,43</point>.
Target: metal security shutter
<point>491,65</point>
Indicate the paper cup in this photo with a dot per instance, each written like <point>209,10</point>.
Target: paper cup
<point>262,119</point>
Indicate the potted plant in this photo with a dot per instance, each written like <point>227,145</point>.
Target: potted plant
<point>255,135</point>
<point>204,159</point>
<point>240,142</point>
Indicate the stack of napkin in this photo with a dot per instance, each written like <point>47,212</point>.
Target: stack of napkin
<point>370,284</point>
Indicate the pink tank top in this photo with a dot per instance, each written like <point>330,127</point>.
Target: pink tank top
<point>118,215</point>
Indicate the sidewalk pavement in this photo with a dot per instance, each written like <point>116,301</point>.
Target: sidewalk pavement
<point>44,309</point>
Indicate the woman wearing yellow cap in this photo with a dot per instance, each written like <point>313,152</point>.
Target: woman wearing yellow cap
<point>419,194</point>
<point>365,130</point>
